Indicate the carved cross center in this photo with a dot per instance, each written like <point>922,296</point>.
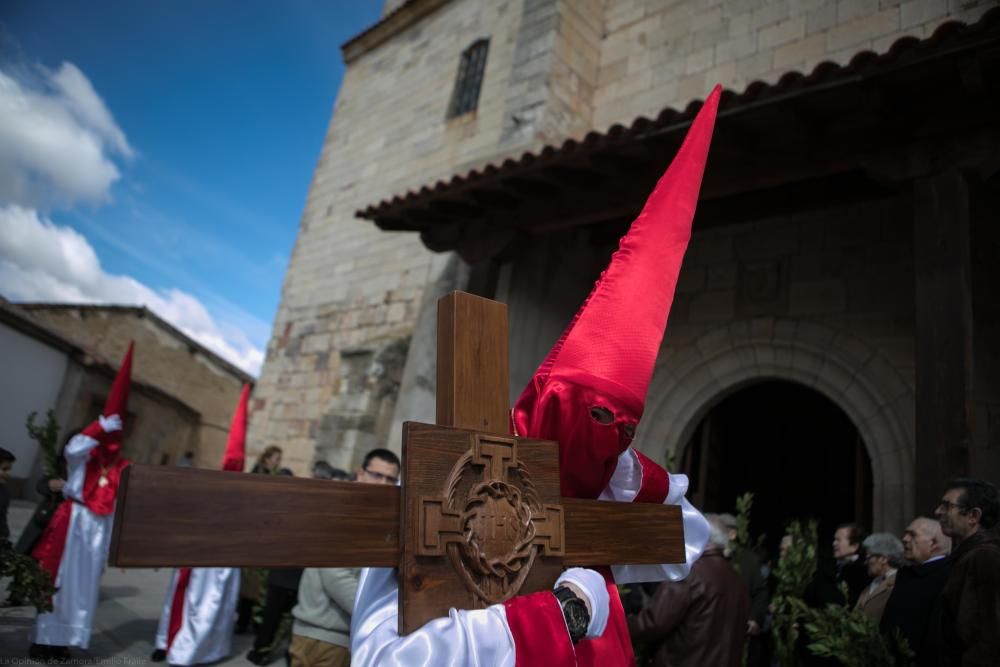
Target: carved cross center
<point>489,520</point>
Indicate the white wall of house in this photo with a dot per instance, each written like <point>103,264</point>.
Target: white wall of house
<point>31,375</point>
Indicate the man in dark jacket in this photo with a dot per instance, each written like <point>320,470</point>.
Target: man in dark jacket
<point>747,565</point>
<point>49,487</point>
<point>970,601</point>
<point>6,463</point>
<point>702,619</point>
<point>914,607</point>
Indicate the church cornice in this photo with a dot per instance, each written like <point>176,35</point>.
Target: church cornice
<point>390,25</point>
<point>930,88</point>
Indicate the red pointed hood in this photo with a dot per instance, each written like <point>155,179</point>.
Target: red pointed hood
<point>589,392</point>
<point>113,415</point>
<point>117,403</point>
<point>236,449</point>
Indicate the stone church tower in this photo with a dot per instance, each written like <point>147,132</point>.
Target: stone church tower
<point>499,146</point>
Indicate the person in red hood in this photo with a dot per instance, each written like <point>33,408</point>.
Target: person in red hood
<point>588,395</point>
<point>74,547</point>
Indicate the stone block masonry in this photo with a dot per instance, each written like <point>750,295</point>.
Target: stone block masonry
<point>555,69</point>
<point>736,43</point>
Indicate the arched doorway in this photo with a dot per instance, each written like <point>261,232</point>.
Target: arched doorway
<point>792,447</point>
<point>696,376</point>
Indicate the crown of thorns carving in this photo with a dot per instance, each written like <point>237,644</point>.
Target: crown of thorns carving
<point>497,565</point>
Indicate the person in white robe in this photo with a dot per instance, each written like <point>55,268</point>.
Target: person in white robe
<point>201,602</point>
<point>74,547</point>
<point>199,612</point>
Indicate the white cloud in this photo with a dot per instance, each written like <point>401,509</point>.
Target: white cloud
<point>42,261</point>
<point>56,139</point>
<point>57,143</point>
<point>88,107</point>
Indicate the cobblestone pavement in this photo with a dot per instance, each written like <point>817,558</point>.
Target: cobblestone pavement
<point>126,618</point>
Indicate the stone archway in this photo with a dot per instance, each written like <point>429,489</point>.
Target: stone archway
<point>691,379</point>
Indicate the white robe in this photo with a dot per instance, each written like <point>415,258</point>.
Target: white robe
<point>208,616</point>
<point>79,578</point>
<point>482,637</point>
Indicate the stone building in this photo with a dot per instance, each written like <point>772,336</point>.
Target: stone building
<point>833,344</point>
<point>204,386</point>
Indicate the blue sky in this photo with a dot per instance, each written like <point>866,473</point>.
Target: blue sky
<point>213,117</point>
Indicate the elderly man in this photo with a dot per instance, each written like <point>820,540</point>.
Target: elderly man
<point>883,552</point>
<point>970,600</point>
<point>915,599</point>
<point>700,620</point>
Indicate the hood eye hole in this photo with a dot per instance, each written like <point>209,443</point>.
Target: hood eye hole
<point>602,415</point>
<point>629,430</point>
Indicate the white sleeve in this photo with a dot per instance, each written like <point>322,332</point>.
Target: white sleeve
<point>479,638</point>
<point>623,487</point>
<point>76,453</point>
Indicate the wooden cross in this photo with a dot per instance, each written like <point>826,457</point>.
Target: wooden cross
<point>478,517</point>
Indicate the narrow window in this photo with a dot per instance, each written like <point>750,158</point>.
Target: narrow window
<point>465,97</point>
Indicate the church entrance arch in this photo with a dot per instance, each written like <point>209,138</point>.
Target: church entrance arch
<point>843,370</point>
<point>792,447</point>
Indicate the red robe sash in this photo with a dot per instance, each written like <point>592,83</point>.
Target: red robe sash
<point>177,605</point>
<point>49,549</point>
<point>540,638</point>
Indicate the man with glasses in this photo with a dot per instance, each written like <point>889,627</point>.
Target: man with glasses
<point>379,467</point>
<point>321,631</point>
<point>970,601</point>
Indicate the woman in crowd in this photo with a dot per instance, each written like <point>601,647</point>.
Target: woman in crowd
<point>884,552</point>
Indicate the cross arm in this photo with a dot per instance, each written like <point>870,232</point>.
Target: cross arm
<point>168,516</point>
<point>173,517</point>
<point>598,531</point>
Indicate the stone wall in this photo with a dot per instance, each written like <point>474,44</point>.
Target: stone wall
<point>391,5</point>
<point>353,292</point>
<point>553,73</point>
<point>164,361</point>
<point>822,298</point>
<point>155,426</point>
<point>848,268</point>
<point>556,69</point>
<point>664,53</point>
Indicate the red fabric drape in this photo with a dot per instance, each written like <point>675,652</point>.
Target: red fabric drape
<point>235,454</point>
<point>177,605</point>
<point>613,648</point>
<point>539,630</point>
<point>101,499</point>
<point>655,481</point>
<point>540,638</point>
<point>49,550</point>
